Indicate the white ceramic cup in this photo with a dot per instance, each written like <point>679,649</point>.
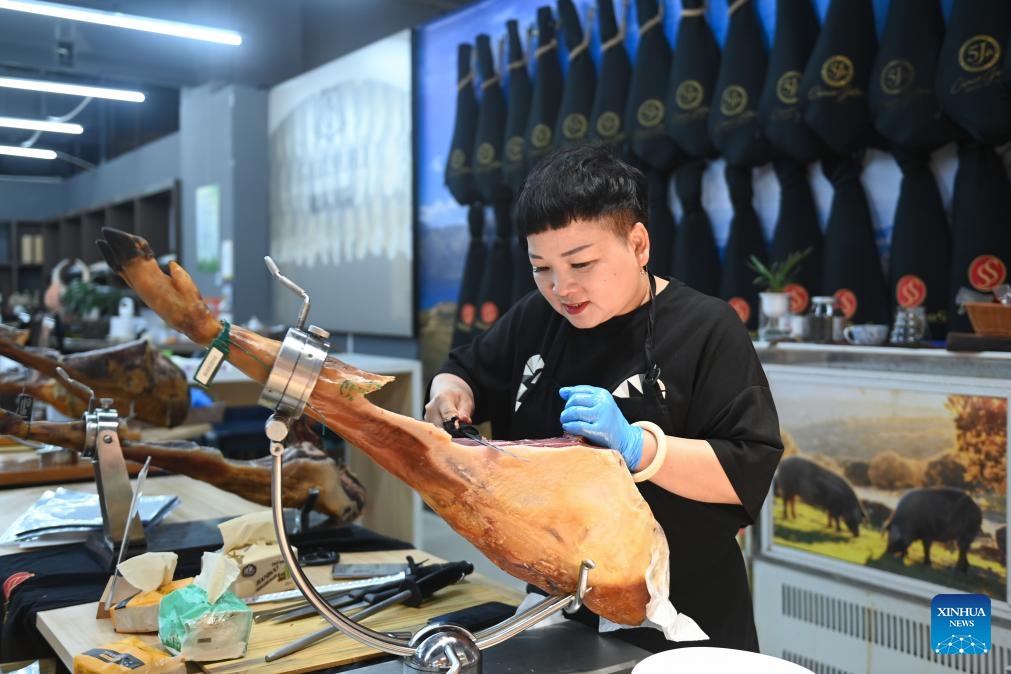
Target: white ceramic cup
<point>866,334</point>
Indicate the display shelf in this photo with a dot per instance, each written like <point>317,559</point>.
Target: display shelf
<point>30,250</point>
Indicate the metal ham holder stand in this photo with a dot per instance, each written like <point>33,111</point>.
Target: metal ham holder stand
<point>433,648</point>
<point>121,527</point>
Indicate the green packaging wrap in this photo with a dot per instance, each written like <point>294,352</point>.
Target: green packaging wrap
<point>200,630</point>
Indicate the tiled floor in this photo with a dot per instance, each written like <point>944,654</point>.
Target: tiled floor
<point>438,539</point>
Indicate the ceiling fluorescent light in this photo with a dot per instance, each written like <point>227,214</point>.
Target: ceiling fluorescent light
<point>118,20</point>
<point>72,89</point>
<point>31,152</point>
<point>40,125</point>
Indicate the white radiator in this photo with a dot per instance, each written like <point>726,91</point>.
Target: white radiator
<point>832,626</point>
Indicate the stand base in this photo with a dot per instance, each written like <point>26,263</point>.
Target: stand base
<point>565,648</point>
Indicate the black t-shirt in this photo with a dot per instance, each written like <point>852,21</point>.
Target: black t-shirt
<point>715,390</point>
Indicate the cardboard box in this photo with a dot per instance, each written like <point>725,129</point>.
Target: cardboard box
<point>261,570</point>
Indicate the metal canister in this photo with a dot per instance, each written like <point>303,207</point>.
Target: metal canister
<point>823,311</point>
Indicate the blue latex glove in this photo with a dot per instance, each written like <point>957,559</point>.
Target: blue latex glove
<point>592,413</point>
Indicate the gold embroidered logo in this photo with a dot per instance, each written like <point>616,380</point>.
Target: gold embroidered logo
<point>897,77</point>
<point>514,148</point>
<point>485,153</point>
<point>837,71</point>
<point>787,87</point>
<point>608,124</point>
<point>689,94</point>
<point>540,137</point>
<point>457,159</point>
<point>979,53</point>
<point>575,125</point>
<point>650,113</point>
<point>734,100</point>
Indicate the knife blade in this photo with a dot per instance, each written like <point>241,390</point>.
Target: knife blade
<point>468,432</point>
<point>131,513</point>
<point>323,589</point>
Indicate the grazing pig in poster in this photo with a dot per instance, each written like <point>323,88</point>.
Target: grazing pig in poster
<point>934,514</point>
<point>820,487</point>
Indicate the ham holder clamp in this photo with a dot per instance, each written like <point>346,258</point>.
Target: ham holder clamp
<point>121,526</point>
<point>434,648</point>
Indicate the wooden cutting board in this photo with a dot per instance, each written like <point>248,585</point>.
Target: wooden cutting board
<point>340,649</point>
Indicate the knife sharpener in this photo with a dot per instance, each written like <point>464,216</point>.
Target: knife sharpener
<point>448,649</point>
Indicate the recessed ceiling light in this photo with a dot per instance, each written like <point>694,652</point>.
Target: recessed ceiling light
<point>72,89</point>
<point>40,125</point>
<point>119,20</point>
<point>33,153</point>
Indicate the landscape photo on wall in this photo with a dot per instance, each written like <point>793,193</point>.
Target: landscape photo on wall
<point>904,475</point>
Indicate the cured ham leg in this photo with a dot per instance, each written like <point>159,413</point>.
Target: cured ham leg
<point>341,495</point>
<point>137,376</point>
<point>536,512</point>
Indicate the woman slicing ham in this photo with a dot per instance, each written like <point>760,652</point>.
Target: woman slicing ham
<point>643,365</point>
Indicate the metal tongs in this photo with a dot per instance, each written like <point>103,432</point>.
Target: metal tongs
<point>469,432</point>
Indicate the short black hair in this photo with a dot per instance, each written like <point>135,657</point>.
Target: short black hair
<point>580,182</point>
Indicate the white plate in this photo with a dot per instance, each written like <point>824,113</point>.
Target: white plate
<point>715,661</point>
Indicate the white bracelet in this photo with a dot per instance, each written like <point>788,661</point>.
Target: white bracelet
<point>661,451</point>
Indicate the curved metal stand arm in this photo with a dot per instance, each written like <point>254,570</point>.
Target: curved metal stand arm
<point>354,630</point>
<point>513,626</point>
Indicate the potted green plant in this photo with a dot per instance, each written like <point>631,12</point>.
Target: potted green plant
<point>775,301</point>
<point>87,306</point>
